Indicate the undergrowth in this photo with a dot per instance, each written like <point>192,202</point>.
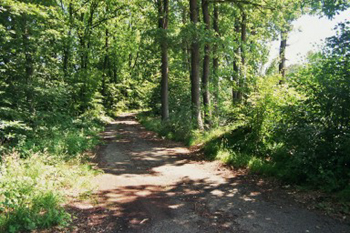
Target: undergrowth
<point>172,129</point>
<point>32,190</point>
<point>240,145</point>
<point>41,170</point>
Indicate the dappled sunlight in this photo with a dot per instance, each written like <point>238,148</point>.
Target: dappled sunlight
<point>254,194</point>
<point>217,193</point>
<point>152,185</point>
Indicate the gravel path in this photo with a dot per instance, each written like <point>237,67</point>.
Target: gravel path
<point>153,185</point>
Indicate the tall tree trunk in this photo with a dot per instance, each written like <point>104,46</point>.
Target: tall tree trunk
<point>206,65</point>
<point>195,92</point>
<point>243,76</point>
<point>185,47</point>
<point>105,64</point>
<point>216,60</point>
<point>163,10</point>
<point>83,49</point>
<point>67,45</point>
<point>236,92</point>
<point>241,71</point>
<point>89,32</point>
<point>283,46</point>
<point>243,37</point>
<point>85,41</point>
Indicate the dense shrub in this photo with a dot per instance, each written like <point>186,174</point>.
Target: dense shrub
<point>40,165</point>
<point>33,190</point>
<point>298,131</point>
<point>317,130</point>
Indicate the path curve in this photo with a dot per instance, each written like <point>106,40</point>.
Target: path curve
<point>151,185</point>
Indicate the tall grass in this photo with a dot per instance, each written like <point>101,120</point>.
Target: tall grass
<point>32,190</point>
<point>38,174</point>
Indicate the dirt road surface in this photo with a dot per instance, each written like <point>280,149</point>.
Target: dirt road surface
<point>153,185</point>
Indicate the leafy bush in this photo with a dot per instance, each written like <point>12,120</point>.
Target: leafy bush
<point>317,130</point>
<point>12,133</point>
<point>45,168</point>
<point>178,127</point>
<point>33,190</point>
<point>298,131</point>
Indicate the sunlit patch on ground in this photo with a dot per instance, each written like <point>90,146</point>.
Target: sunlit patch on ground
<point>150,185</point>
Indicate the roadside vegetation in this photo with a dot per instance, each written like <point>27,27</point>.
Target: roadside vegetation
<point>197,66</point>
<point>41,171</point>
<point>296,130</point>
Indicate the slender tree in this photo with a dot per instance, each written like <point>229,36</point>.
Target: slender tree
<point>67,42</point>
<point>195,85</point>
<point>236,92</point>
<point>216,58</point>
<point>163,11</point>
<point>282,54</point>
<point>206,65</point>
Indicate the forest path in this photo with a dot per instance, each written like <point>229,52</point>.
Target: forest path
<point>153,185</point>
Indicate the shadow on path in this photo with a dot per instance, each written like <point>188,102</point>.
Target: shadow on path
<point>155,185</point>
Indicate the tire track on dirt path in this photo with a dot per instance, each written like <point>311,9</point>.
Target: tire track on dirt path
<point>152,185</point>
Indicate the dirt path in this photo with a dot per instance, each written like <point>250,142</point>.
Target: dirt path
<point>152,185</point>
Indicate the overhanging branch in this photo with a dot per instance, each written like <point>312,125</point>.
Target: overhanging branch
<point>246,2</point>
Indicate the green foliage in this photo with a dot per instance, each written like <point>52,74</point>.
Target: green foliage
<point>297,131</point>
<point>66,139</point>
<point>318,128</point>
<point>66,64</point>
<point>329,7</point>
<point>175,128</point>
<point>179,126</point>
<point>344,195</point>
<point>33,190</point>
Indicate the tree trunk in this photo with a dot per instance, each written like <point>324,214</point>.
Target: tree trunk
<point>163,10</point>
<point>206,65</point>
<point>283,46</point>
<point>66,49</point>
<point>195,92</point>
<point>242,80</point>
<point>216,60</point>
<point>105,64</point>
<point>236,92</point>
<point>243,37</point>
<point>185,47</point>
<point>240,72</point>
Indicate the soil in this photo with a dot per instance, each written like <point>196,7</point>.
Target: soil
<point>153,185</point>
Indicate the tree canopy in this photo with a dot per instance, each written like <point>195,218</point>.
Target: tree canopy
<point>196,66</point>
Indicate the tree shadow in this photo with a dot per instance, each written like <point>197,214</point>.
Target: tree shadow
<point>159,187</point>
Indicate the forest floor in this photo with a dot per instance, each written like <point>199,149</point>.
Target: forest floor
<point>154,185</point>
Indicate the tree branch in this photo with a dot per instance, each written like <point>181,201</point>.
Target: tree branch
<point>107,18</point>
<point>247,2</point>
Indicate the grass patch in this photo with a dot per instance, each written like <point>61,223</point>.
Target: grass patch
<point>172,129</point>
<point>178,130</point>
<point>222,143</point>
<point>39,173</point>
<point>69,139</point>
<point>231,144</point>
<point>240,146</point>
<point>32,190</point>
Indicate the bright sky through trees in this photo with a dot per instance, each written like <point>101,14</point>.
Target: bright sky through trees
<point>308,33</point>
